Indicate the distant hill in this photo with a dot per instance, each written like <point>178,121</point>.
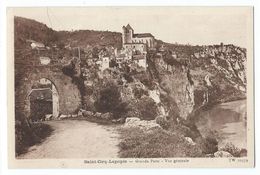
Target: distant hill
<point>84,38</point>
<point>28,29</point>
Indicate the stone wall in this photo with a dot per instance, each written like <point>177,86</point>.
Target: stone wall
<point>27,75</point>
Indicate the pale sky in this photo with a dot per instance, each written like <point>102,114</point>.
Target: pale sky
<point>193,25</point>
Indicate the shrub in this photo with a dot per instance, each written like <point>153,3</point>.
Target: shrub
<point>185,128</point>
<point>169,59</point>
<point>109,98</point>
<point>135,143</point>
<point>139,92</point>
<point>145,108</point>
<point>145,79</point>
<point>113,63</point>
<point>41,130</point>
<point>181,130</point>
<point>69,69</point>
<point>162,122</point>
<point>120,110</point>
<point>23,137</point>
<point>193,130</point>
<point>208,145</point>
<point>243,153</point>
<point>28,134</point>
<point>128,78</point>
<point>148,108</point>
<point>172,106</point>
<point>232,149</point>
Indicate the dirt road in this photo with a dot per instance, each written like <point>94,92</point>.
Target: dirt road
<point>76,139</point>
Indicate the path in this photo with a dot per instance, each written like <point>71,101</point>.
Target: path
<point>76,139</point>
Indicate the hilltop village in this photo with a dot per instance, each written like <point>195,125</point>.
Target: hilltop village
<point>133,50</point>
<point>129,78</point>
<point>140,54</point>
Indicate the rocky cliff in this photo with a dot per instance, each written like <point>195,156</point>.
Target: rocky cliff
<point>179,79</point>
<point>198,76</point>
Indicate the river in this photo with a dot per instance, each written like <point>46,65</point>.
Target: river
<point>228,121</point>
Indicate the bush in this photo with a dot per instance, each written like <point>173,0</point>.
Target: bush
<point>186,129</point>
<point>162,122</point>
<point>232,149</point>
<point>181,130</point>
<point>41,130</point>
<point>172,106</point>
<point>139,92</point>
<point>120,110</point>
<point>145,79</point>
<point>128,78</point>
<point>23,137</point>
<point>208,145</point>
<point>28,134</point>
<point>69,69</point>
<point>135,143</point>
<point>193,130</point>
<point>109,100</point>
<point>144,108</point>
<point>148,108</point>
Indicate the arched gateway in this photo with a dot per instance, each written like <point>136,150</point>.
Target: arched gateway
<point>43,100</point>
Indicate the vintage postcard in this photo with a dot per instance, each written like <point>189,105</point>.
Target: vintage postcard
<point>130,87</point>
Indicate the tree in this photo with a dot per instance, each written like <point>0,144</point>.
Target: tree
<point>169,59</point>
<point>109,99</point>
<point>144,108</point>
<point>61,45</point>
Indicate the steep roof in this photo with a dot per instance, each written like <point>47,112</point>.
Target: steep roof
<point>142,35</point>
<point>129,27</point>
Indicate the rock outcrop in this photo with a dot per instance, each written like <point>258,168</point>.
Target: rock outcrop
<point>221,154</point>
<point>142,124</point>
<point>196,76</point>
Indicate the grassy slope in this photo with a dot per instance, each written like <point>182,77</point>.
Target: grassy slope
<point>28,29</point>
<point>84,38</point>
<point>137,143</point>
<point>26,136</point>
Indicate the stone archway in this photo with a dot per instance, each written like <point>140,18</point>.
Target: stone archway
<point>43,99</point>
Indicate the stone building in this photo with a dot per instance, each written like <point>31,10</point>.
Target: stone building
<point>140,60</point>
<point>105,63</point>
<point>137,45</point>
<point>129,37</point>
<point>37,45</point>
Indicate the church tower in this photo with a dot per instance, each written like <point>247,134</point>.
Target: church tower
<point>127,34</point>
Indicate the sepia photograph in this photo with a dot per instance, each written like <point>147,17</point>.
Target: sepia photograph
<point>130,87</point>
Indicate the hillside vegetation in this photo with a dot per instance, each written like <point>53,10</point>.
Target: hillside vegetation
<point>180,81</point>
